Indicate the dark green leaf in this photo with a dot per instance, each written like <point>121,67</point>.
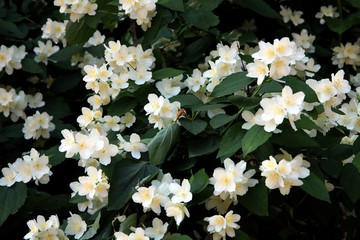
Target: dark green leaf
<point>306,123</point>
<point>233,83</point>
<point>350,181</point>
<point>129,222</point>
<point>11,199</point>
<point>202,146</point>
<point>256,199</point>
<point>186,100</point>
<point>55,157</point>
<point>294,139</point>
<point>162,143</point>
<point>356,161</point>
<point>12,131</point>
<point>231,142</point>
<point>270,87</point>
<point>93,228</point>
<point>203,19</point>
<point>194,126</point>
<point>338,25</point>
<point>260,7</point>
<point>181,237</point>
<point>354,3</point>
<point>206,107</point>
<point>199,181</point>
<point>221,119</point>
<point>244,102</point>
<point>298,85</point>
<point>56,106</point>
<point>315,187</point>
<point>65,54</point>
<point>166,73</point>
<point>176,5</point>
<point>254,137</point>
<point>78,32</point>
<point>122,105</point>
<point>121,189</point>
<point>29,65</point>
<point>210,4</point>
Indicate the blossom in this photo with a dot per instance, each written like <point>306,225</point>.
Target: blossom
<point>43,51</point>
<point>135,147</point>
<point>181,192</point>
<point>75,226</point>
<point>177,210</point>
<point>158,229</point>
<point>221,226</point>
<point>257,69</point>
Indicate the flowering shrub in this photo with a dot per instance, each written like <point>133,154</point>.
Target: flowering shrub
<point>182,119</point>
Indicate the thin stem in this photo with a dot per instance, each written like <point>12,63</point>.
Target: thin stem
<point>133,32</point>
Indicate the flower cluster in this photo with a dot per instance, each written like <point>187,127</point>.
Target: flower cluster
<point>89,145</point>
<point>45,229</point>
<point>94,187</point>
<point>161,111</point>
<point>76,8</point>
<point>170,87</point>
<point>221,226</point>
<point>141,11</point>
<point>44,51</point>
<point>10,58</point>
<point>347,54</point>
<point>283,171</point>
<point>55,31</point>
<point>231,181</point>
<point>274,110</point>
<point>327,11</point>
<point>14,104</point>
<point>293,16</point>
<point>38,125</point>
<point>30,167</point>
<point>277,60</point>
<point>167,193</point>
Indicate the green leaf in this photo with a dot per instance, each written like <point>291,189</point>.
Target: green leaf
<point>200,18</point>
<point>181,237</point>
<point>210,4</point>
<point>221,119</point>
<point>270,87</point>
<point>339,25</point>
<point>11,199</point>
<point>194,126</point>
<point>199,181</point>
<point>122,105</point>
<point>315,187</point>
<point>256,199</point>
<point>166,73</point>
<point>176,5</point>
<point>231,142</point>
<point>186,100</point>
<point>293,139</point>
<point>121,189</point>
<point>202,146</point>
<point>298,85</point>
<point>93,228</point>
<point>260,7</point>
<point>129,222</point>
<point>29,65</point>
<point>230,84</point>
<point>65,54</point>
<point>350,181</point>
<point>55,156</point>
<point>78,199</point>
<point>78,32</point>
<point>206,107</point>
<point>56,107</point>
<point>160,146</point>
<point>356,161</point>
<point>254,137</point>
<point>244,102</point>
<point>354,3</point>
<point>306,123</point>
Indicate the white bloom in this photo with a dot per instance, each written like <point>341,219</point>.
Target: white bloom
<point>158,229</point>
<point>75,226</point>
<point>135,146</point>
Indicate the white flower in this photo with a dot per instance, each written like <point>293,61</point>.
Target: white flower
<point>75,226</point>
<point>273,109</point>
<point>181,193</point>
<point>293,103</point>
<point>135,146</point>
<point>257,69</point>
<point>158,229</point>
<point>177,210</point>
<point>144,196</point>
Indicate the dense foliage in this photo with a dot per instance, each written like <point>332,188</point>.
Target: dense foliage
<point>179,119</point>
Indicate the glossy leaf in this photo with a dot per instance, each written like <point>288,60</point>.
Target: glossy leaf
<point>256,199</point>
<point>350,181</point>
<point>254,137</point>
<point>176,5</point>
<point>233,83</point>
<point>315,187</point>
<point>231,142</point>
<point>194,126</point>
<point>221,119</point>
<point>11,199</point>
<point>78,32</point>
<point>199,181</point>
<point>162,143</point>
<point>122,188</point>
<point>166,73</point>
